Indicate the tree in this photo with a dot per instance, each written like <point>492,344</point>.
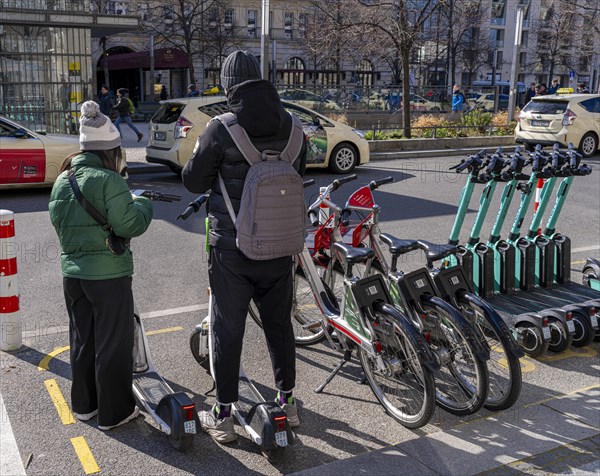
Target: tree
<point>396,26</point>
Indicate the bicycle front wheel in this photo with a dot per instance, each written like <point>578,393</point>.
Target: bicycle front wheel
<point>405,387</point>
<point>307,319</point>
<point>462,380</point>
<point>504,368</point>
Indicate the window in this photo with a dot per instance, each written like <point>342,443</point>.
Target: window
<point>143,11</point>
<point>523,58</point>
<point>294,71</point>
<point>252,14</point>
<point>591,105</point>
<point>365,73</point>
<point>228,19</point>
<point>117,8</point>
<point>288,25</point>
<point>498,12</point>
<point>302,20</point>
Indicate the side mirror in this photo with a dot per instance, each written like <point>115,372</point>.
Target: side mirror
<point>316,121</point>
<point>20,134</point>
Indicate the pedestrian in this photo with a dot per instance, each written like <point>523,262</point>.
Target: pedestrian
<point>234,278</point>
<point>458,103</point>
<point>163,93</point>
<point>582,89</point>
<point>125,108</point>
<point>530,93</point>
<point>192,91</point>
<point>106,100</point>
<point>554,86</point>
<point>97,282</point>
<point>540,90</point>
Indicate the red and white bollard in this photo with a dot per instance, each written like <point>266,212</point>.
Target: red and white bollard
<point>538,194</point>
<point>11,335</point>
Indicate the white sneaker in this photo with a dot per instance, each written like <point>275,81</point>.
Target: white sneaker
<point>136,412</point>
<point>221,431</point>
<point>85,416</point>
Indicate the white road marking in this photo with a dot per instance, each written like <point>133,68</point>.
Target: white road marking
<point>10,463</point>
<point>585,248</point>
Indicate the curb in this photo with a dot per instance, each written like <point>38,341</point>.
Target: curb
<point>423,154</point>
<point>134,168</point>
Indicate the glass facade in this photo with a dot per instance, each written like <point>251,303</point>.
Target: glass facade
<point>45,75</point>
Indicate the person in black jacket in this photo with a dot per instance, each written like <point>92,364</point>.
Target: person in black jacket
<point>234,278</point>
<point>123,103</point>
<point>106,100</point>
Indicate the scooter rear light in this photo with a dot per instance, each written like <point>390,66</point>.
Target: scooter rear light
<point>427,337</point>
<point>378,347</point>
<point>569,118</point>
<point>592,311</point>
<point>569,316</point>
<point>545,322</point>
<point>182,127</point>
<point>188,412</point>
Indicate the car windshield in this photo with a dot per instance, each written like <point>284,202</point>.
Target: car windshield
<point>546,107</point>
<point>167,113</point>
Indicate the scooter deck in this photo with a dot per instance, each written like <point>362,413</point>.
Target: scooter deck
<point>248,396</point>
<point>560,295</point>
<point>152,387</point>
<point>513,309</point>
<point>580,289</point>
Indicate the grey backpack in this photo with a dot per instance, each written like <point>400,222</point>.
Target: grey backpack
<point>272,217</point>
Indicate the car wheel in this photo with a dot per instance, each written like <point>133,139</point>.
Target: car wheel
<point>589,144</point>
<point>343,159</point>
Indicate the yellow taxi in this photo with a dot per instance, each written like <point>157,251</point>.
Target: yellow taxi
<point>31,159</point>
<point>176,126</point>
<point>561,118</point>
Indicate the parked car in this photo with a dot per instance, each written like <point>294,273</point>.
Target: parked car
<point>309,99</point>
<point>486,102</point>
<point>562,119</point>
<point>31,159</point>
<point>177,125</point>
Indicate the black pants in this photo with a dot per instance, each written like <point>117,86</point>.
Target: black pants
<point>235,280</point>
<point>101,337</point>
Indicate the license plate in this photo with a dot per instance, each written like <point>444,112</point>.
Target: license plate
<point>189,427</point>
<point>546,332</point>
<point>594,321</point>
<point>571,326</point>
<point>540,123</point>
<point>281,438</point>
<point>160,136</point>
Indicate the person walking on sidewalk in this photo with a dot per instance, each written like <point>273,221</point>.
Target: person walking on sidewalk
<point>96,280</point>
<point>106,100</point>
<point>234,278</point>
<point>125,108</point>
<point>458,103</point>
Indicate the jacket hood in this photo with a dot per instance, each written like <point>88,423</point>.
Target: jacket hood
<point>257,107</point>
<point>88,159</point>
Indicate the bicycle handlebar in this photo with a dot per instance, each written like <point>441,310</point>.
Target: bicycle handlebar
<point>337,183</point>
<point>193,207</point>
<point>378,183</point>
<point>309,182</point>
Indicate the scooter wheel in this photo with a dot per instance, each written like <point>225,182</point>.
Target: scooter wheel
<point>178,440</point>
<point>532,341</point>
<point>274,455</point>
<point>559,336</point>
<point>584,334</point>
<point>203,360</point>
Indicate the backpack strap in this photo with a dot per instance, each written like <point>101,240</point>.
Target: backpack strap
<point>240,137</point>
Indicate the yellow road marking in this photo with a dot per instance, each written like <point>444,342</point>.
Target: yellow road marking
<point>45,362</point>
<point>527,365</point>
<point>581,261</point>
<point>581,352</point>
<point>64,412</point>
<point>43,365</point>
<point>163,331</point>
<point>85,455</point>
<point>556,397</point>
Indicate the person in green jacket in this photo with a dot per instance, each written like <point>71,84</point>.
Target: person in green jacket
<point>97,282</point>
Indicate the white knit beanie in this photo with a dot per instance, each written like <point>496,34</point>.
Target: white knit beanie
<point>96,131</point>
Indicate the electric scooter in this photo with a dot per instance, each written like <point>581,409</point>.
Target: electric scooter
<point>591,274</point>
<point>533,331</point>
<point>265,422</point>
<point>174,412</point>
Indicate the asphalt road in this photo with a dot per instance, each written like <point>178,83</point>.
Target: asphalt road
<point>170,288</point>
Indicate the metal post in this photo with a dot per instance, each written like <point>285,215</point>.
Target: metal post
<point>264,39</point>
<point>513,74</point>
<point>151,94</point>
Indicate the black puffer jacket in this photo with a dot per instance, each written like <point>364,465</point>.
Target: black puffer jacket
<point>260,112</point>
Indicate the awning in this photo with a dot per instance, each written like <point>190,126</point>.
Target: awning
<point>164,58</point>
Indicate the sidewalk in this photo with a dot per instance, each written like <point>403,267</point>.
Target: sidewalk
<point>555,436</point>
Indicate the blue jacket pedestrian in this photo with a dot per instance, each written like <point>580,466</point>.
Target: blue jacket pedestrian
<point>458,99</point>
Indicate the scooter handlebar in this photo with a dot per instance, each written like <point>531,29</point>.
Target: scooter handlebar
<point>378,183</point>
<point>339,182</point>
<point>308,183</point>
<point>156,196</point>
<point>193,207</point>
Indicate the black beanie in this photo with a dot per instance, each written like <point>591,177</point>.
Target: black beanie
<point>238,67</point>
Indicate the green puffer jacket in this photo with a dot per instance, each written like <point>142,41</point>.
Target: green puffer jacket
<point>82,239</point>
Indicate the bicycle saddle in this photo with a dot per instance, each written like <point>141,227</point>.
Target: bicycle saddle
<point>398,246</point>
<point>435,252</point>
<point>354,255</point>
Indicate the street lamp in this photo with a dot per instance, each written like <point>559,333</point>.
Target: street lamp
<point>264,39</point>
<point>513,74</point>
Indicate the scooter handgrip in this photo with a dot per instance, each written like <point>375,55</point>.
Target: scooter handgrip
<point>308,183</point>
<point>193,207</point>
<point>313,217</point>
<point>338,182</point>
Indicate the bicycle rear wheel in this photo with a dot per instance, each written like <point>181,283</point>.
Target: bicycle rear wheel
<point>504,368</point>
<point>462,380</point>
<point>405,387</point>
<point>307,319</point>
